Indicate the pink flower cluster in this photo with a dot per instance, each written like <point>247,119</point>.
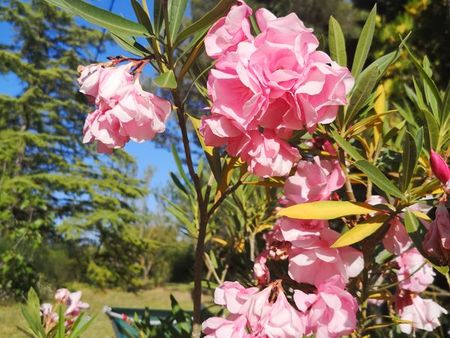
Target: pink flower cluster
<point>124,111</point>
<point>73,307</point>
<point>437,239</point>
<point>264,88</point>
<point>414,276</point>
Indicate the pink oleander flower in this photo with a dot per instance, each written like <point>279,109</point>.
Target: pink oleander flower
<point>104,128</point>
<point>331,312</point>
<point>75,305</point>
<point>414,274</point>
<point>89,79</point>
<point>314,181</point>
<point>233,295</point>
<point>296,229</point>
<point>268,156</point>
<point>62,296</point>
<point>228,31</point>
<point>422,313</point>
<point>437,239</point>
<point>124,111</point>
<point>260,269</point>
<point>263,89</point>
<point>141,114</point>
<point>397,239</point>
<point>440,168</point>
<point>265,313</point>
<point>312,261</point>
<point>217,327</point>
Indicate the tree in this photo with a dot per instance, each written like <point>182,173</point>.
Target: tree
<point>52,186</point>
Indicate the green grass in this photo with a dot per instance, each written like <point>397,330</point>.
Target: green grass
<point>157,298</point>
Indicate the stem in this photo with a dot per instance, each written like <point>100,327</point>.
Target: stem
<point>348,184</point>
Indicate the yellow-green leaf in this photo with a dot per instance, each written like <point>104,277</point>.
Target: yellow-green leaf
<point>326,210</point>
<point>360,231</point>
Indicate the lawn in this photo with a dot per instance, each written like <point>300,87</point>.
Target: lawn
<point>157,298</point>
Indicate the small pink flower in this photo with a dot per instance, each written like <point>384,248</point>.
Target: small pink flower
<point>331,312</point>
<point>89,79</point>
<point>62,296</point>
<point>268,156</point>
<point>414,273</point>
<point>141,114</point>
<point>217,327</point>
<point>233,295</point>
<point>111,81</point>
<point>312,261</point>
<point>422,313</point>
<point>75,305</point>
<point>314,181</point>
<point>227,32</point>
<point>437,239</point>
<point>397,239</point>
<point>104,128</point>
<point>439,167</point>
<point>260,269</point>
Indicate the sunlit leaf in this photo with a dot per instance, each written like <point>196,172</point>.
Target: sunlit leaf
<point>326,210</point>
<point>336,42</point>
<point>364,43</point>
<point>360,231</point>
<point>166,80</point>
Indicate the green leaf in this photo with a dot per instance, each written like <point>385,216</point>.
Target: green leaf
<point>81,325</point>
<point>142,16</point>
<point>130,44</point>
<point>364,43</point>
<point>411,221</point>
<point>360,231</point>
<point>326,210</point>
<point>205,21</point>
<point>348,148</point>
<point>176,9</point>
<point>360,96</point>
<point>101,17</point>
<point>336,42</point>
<point>378,178</point>
<point>61,330</point>
<point>432,127</point>
<point>158,15</point>
<point>32,315</point>
<point>410,157</point>
<point>166,80</point>
<point>425,77</point>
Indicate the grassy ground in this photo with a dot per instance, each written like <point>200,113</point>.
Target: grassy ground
<point>157,298</point>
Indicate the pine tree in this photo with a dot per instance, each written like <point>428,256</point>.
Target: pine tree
<point>51,185</point>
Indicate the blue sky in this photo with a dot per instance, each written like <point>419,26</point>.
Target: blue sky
<point>146,153</point>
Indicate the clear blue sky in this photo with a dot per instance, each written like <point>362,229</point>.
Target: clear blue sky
<point>145,153</point>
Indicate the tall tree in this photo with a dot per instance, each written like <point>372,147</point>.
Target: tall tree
<point>52,186</point>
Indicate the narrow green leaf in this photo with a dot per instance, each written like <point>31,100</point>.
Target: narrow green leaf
<point>61,330</point>
<point>360,96</point>
<point>81,325</point>
<point>101,17</point>
<point>180,167</point>
<point>142,16</point>
<point>336,42</point>
<point>178,183</point>
<point>158,15</point>
<point>348,148</point>
<point>166,80</point>
<point>411,221</point>
<point>130,45</point>
<point>364,43</point>
<point>432,127</point>
<point>360,231</point>
<point>205,21</point>
<point>378,178</point>
<point>410,157</point>
<point>176,10</point>
<point>446,106</point>
<point>426,78</point>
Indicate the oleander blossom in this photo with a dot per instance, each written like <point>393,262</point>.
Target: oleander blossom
<point>124,111</point>
<point>265,88</point>
<point>414,273</point>
<point>421,313</point>
<point>313,261</point>
<point>440,168</point>
<point>331,311</point>
<point>437,239</point>
<point>254,313</point>
<point>313,180</point>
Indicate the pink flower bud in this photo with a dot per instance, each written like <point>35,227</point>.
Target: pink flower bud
<point>440,169</point>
